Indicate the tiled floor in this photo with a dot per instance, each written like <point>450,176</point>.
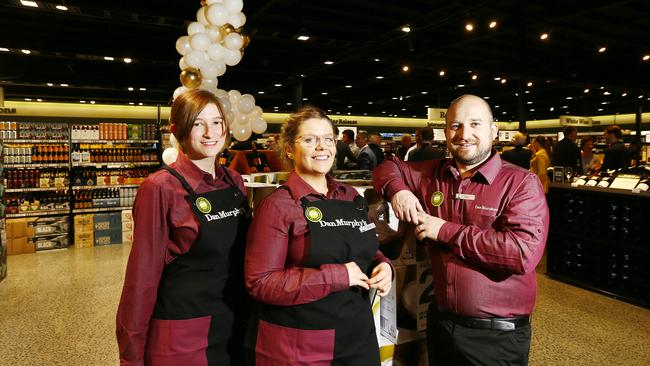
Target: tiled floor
<point>58,308</point>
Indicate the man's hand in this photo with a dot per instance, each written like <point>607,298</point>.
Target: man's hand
<point>428,226</point>
<point>406,206</point>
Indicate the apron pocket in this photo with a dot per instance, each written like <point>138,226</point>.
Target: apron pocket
<point>278,345</point>
<point>177,342</point>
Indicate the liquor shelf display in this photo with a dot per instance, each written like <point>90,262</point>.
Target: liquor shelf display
<point>596,240</point>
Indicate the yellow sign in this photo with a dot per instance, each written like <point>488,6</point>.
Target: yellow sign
<point>203,205</point>
<point>313,214</point>
<point>437,198</point>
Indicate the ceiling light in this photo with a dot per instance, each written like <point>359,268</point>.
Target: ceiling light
<point>504,112</point>
<point>370,102</point>
<point>303,75</point>
<point>394,98</point>
<point>305,99</point>
<point>569,98</point>
<point>565,106</point>
<point>469,27</point>
<point>3,49</point>
<point>143,89</point>
<point>603,103</point>
<point>27,52</point>
<point>406,29</point>
<point>349,113</point>
<point>602,49</point>
<point>140,103</point>
<point>349,106</point>
<point>493,24</point>
<point>127,60</point>
<point>39,100</point>
<point>532,110</point>
<point>289,103</point>
<point>461,85</point>
<point>328,62</point>
<point>551,109</point>
<point>323,93</point>
<point>543,36</point>
<point>641,96</point>
<point>376,60</point>
<point>50,84</point>
<point>607,93</point>
<point>303,38</point>
<point>405,68</point>
<point>260,92</point>
<point>600,109</point>
<point>62,7</point>
<point>624,94</point>
<point>442,73</point>
<point>130,88</point>
<point>529,102</point>
<point>503,80</point>
<point>32,4</point>
<point>403,109</point>
<point>109,58</point>
<point>384,112</point>
<point>486,98</point>
<point>92,102</point>
<point>602,87</point>
<point>530,83</point>
<point>63,84</point>
<point>82,101</point>
<point>527,92</point>
<point>474,77</point>
<point>424,93</point>
<point>426,106</point>
<point>278,85</point>
<point>348,86</point>
<point>131,103</point>
<point>586,90</point>
<point>28,99</point>
<point>646,58</point>
<point>379,77</point>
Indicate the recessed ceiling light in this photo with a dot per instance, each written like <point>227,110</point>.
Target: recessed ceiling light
<point>50,84</point>
<point>370,102</point>
<point>82,101</point>
<point>426,106</point>
<point>603,103</point>
<point>551,109</point>
<point>349,106</point>
<point>565,106</point>
<point>39,100</point>
<point>497,106</point>
<point>394,98</point>
<point>303,38</point>
<point>641,96</point>
<point>600,109</point>
<point>348,86</point>
<point>442,73</point>
<point>384,112</point>
<point>405,68</point>
<point>130,88</point>
<point>424,93</point>
<point>28,99</point>
<point>406,29</point>
<point>365,114</point>
<point>305,99</point>
<point>486,97</point>
<point>543,36</point>
<point>646,57</point>
<point>529,102</point>
<point>260,92</point>
<point>140,103</point>
<point>379,77</point>
<point>474,77</point>
<point>493,24</point>
<point>92,102</point>
<point>497,79</point>
<point>131,103</point>
<point>569,98</point>
<point>504,112</point>
<point>143,89</point>
<point>602,49</point>
<point>32,4</point>
<point>27,52</point>
<point>289,103</point>
<point>586,90</point>
<point>323,93</point>
<point>624,94</point>
<point>376,60</point>
<point>127,60</point>
<point>530,83</point>
<point>532,110</point>
<point>109,58</point>
<point>278,85</point>
<point>3,49</point>
<point>461,85</point>
<point>64,84</point>
<point>607,93</point>
<point>349,113</point>
<point>527,92</point>
<point>503,80</point>
<point>469,27</point>
<point>62,7</point>
<point>328,62</point>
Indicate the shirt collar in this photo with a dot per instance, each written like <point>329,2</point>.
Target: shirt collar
<point>488,170</point>
<point>299,188</point>
<point>193,174</point>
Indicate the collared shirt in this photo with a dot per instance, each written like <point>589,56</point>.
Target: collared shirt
<point>165,227</point>
<point>497,223</point>
<point>278,243</point>
<point>366,158</point>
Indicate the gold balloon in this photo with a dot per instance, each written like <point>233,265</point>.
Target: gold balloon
<point>190,78</point>
<point>247,40</point>
<point>204,3</point>
<point>226,29</point>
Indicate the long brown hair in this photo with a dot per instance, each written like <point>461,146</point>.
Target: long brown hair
<point>187,107</point>
<point>290,129</point>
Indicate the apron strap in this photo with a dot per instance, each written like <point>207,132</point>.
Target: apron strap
<point>181,179</point>
<point>230,180</point>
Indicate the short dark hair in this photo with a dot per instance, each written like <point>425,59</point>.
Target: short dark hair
<point>569,130</point>
<point>349,133</point>
<point>615,130</point>
<point>585,140</point>
<point>426,134</point>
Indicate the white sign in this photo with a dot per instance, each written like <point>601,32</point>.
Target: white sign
<point>436,113</point>
<point>576,121</point>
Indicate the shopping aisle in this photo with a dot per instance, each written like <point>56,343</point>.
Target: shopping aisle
<point>58,308</point>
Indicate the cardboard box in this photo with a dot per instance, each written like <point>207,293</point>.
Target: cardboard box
<point>108,237</point>
<point>17,228</point>
<point>83,243</point>
<point>108,221</point>
<point>83,220</point>
<point>83,236</point>
<point>127,237</point>
<point>127,216</point>
<point>19,245</point>
<point>127,226</point>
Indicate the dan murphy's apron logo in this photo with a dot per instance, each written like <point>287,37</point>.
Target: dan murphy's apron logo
<point>203,205</point>
<point>224,214</point>
<point>437,198</point>
<point>313,214</point>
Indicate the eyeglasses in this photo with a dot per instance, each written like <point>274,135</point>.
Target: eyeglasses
<point>313,140</point>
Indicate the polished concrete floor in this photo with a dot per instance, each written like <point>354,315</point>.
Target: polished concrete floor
<point>58,308</point>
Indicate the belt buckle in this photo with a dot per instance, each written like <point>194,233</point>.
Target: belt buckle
<point>503,325</point>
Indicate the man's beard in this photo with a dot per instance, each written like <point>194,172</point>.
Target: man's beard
<point>480,154</point>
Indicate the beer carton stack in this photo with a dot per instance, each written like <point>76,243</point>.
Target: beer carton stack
<point>18,234</point>
<point>127,227</point>
<point>48,232</point>
<point>108,228</point>
<point>84,235</point>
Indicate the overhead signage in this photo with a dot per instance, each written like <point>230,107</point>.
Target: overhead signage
<point>576,121</point>
<point>436,113</point>
<point>7,110</point>
<point>341,121</point>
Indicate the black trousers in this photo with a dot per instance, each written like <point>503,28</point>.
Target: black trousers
<point>450,344</point>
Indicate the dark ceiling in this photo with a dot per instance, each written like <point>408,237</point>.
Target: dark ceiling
<point>362,38</point>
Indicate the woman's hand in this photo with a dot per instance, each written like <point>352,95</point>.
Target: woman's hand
<point>382,278</point>
<point>357,278</point>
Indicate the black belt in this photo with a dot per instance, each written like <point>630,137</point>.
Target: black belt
<point>488,323</point>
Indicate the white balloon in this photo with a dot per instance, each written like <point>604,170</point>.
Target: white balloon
<point>210,69</point>
<point>180,90</point>
<point>246,104</point>
<point>241,119</point>
<point>195,27</point>
<point>237,20</point>
<point>241,132</point>
<point>232,57</point>
<point>216,51</point>
<point>234,41</point>
<point>217,14</point>
<point>183,45</point>
<point>226,105</point>
<point>220,93</point>
<point>182,64</point>
<point>200,41</point>
<point>209,84</point>
<point>170,155</point>
<point>200,15</point>
<point>230,117</point>
<point>234,96</point>
<point>195,59</point>
<point>257,112</point>
<point>233,6</point>
<point>213,32</point>
<point>173,141</point>
<point>258,125</point>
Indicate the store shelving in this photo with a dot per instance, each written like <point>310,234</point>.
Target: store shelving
<point>99,209</point>
<point>38,213</point>
<point>28,141</point>
<point>50,189</point>
<point>105,187</point>
<point>37,165</point>
<point>108,142</point>
<point>123,164</point>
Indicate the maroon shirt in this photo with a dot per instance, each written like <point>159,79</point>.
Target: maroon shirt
<point>165,227</point>
<point>485,257</point>
<point>277,246</point>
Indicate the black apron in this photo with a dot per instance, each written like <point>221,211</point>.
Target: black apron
<point>200,310</point>
<point>335,330</point>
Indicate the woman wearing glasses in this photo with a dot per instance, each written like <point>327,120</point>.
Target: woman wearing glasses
<point>311,257</point>
<point>183,294</point>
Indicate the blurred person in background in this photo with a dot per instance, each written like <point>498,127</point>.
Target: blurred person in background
<point>366,158</point>
<point>566,152</point>
<point>540,162</point>
<point>426,151</point>
<point>374,142</point>
<point>617,156</point>
<point>519,155</point>
<point>405,145</point>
